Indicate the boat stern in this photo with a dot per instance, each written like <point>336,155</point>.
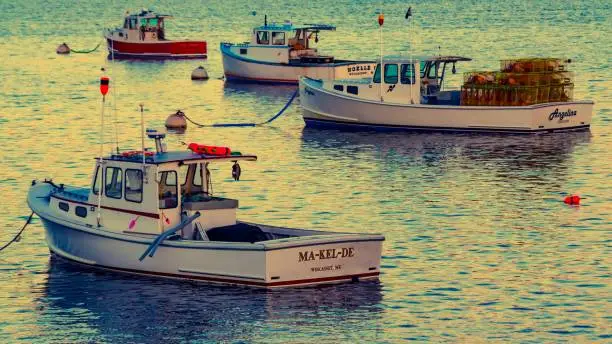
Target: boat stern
<point>322,260</point>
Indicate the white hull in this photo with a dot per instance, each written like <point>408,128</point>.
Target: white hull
<point>295,261</point>
<point>328,108</point>
<point>239,68</point>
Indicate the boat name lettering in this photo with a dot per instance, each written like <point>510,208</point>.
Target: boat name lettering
<point>330,253</point>
<point>326,268</point>
<point>562,115</point>
<point>359,68</point>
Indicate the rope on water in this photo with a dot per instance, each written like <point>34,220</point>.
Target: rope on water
<point>85,51</point>
<point>217,125</point>
<point>18,236</point>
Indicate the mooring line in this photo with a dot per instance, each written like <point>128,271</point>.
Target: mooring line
<point>218,125</point>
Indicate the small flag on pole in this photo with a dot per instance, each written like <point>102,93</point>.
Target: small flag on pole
<point>409,12</point>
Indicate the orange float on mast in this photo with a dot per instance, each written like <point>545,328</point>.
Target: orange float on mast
<point>381,19</point>
<point>104,84</point>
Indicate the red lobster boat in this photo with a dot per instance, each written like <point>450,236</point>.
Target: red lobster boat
<point>143,36</point>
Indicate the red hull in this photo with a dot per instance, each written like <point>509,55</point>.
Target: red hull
<point>192,49</point>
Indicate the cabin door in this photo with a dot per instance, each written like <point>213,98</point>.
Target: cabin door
<point>169,200</point>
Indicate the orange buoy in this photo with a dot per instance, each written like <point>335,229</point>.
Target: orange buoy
<point>572,200</point>
<point>104,84</point>
<point>209,150</point>
<point>381,19</point>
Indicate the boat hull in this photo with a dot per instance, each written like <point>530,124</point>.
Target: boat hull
<point>323,108</point>
<point>305,261</point>
<point>157,49</point>
<point>237,68</point>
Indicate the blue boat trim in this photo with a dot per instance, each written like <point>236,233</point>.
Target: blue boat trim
<point>324,123</point>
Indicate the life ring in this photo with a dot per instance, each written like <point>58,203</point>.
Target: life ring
<point>154,35</point>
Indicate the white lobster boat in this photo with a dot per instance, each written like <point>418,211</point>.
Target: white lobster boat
<point>147,222</point>
<point>408,100</point>
<point>282,53</point>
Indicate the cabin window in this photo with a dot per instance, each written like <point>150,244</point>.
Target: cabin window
<point>80,211</point>
<point>168,190</point>
<point>408,74</point>
<point>423,68</point>
<point>433,71</point>
<point>114,182</point>
<point>377,74</point>
<point>262,37</point>
<point>133,23</point>
<point>243,51</point>
<point>126,23</point>
<point>153,22</point>
<point>390,74</point>
<point>278,38</point>
<point>97,181</point>
<point>133,185</point>
<point>64,206</point>
<point>339,88</point>
<point>352,89</point>
<point>198,175</point>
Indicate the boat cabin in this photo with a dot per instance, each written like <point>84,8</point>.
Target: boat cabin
<point>405,81</point>
<point>144,26</point>
<point>151,194</point>
<point>286,43</point>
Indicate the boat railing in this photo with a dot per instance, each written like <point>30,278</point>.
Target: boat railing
<point>155,244</point>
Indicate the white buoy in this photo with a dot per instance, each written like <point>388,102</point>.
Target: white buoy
<point>176,121</point>
<point>199,74</point>
<point>63,49</point>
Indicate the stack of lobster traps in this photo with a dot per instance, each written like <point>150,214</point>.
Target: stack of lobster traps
<point>520,82</point>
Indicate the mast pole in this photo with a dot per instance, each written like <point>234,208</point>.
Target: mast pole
<point>381,19</point>
<point>104,84</point>
<point>142,138</point>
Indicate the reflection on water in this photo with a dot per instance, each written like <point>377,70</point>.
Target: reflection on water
<point>124,308</point>
<point>479,245</point>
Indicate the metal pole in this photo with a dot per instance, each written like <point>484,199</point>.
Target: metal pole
<point>100,162</point>
<point>142,133</point>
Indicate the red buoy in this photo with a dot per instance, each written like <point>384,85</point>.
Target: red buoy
<point>572,200</point>
<point>104,82</point>
<point>381,19</point>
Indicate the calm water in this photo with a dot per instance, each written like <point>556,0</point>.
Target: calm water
<point>479,246</point>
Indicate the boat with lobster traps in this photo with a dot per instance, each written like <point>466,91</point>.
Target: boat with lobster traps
<point>525,96</point>
<point>143,35</point>
<point>281,53</point>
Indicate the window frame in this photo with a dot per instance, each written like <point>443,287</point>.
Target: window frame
<point>176,188</point>
<point>64,206</point>
<point>396,77</point>
<point>106,180</point>
<point>339,87</point>
<point>95,182</point>
<point>76,211</point>
<point>376,78</point>
<point>274,33</point>
<point>125,194</point>
<point>404,80</point>
<point>259,40</point>
<point>352,89</point>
